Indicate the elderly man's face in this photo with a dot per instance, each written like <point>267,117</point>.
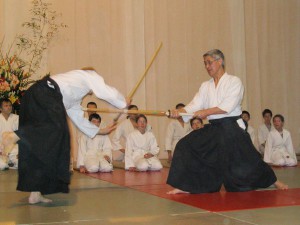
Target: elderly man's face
<point>212,65</point>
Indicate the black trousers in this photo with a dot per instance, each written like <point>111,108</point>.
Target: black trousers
<point>44,146</point>
<point>220,153</point>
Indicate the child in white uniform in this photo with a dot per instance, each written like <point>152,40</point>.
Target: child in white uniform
<point>123,130</point>
<point>94,154</point>
<point>141,148</point>
<point>264,129</point>
<point>279,149</point>
<point>8,122</point>
<point>176,130</point>
<point>250,130</point>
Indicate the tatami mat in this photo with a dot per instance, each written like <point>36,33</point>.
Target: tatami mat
<point>154,183</point>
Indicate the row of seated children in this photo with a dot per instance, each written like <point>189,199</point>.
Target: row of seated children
<point>8,122</point>
<point>141,146</point>
<point>274,142</point>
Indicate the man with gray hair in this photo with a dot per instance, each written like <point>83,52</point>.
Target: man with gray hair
<point>221,153</point>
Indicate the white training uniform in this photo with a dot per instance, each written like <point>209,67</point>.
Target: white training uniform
<point>262,135</point>
<point>137,146</point>
<point>175,131</point>
<point>91,153</point>
<point>251,132</point>
<point>120,137</point>
<point>9,125</point>
<point>279,149</point>
<point>74,85</point>
<point>227,96</point>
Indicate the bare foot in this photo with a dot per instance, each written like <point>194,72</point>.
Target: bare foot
<point>281,186</point>
<point>177,191</point>
<point>9,139</point>
<point>36,197</point>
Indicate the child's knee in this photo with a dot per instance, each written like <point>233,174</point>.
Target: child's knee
<point>142,165</point>
<point>93,169</point>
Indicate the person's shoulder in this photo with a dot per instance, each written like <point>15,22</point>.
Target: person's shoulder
<point>207,82</point>
<point>286,131</point>
<point>232,77</point>
<point>134,133</point>
<point>150,134</point>
<point>274,131</point>
<point>14,116</point>
<point>76,73</point>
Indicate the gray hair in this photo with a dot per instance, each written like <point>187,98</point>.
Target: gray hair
<point>216,54</point>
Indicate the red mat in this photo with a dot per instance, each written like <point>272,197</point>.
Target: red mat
<point>154,183</point>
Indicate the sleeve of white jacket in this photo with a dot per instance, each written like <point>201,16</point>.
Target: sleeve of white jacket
<point>84,125</point>
<point>290,147</point>
<point>154,149</point>
<point>198,101</point>
<point>268,149</point>
<point>129,152</point>
<point>16,123</point>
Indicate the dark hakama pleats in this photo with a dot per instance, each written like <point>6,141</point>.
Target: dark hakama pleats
<point>220,153</point>
<point>44,146</point>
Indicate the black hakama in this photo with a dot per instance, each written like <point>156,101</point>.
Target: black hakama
<point>220,153</point>
<point>44,146</point>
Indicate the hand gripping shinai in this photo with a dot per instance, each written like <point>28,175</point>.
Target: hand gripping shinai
<point>141,79</point>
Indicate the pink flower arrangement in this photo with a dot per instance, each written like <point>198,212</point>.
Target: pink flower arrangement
<point>13,79</point>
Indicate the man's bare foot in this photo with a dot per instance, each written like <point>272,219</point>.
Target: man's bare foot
<point>177,191</point>
<point>9,139</point>
<point>36,197</point>
<point>281,186</point>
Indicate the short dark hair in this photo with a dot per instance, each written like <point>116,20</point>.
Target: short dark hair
<point>246,112</point>
<point>91,103</point>
<point>267,111</point>
<point>179,105</point>
<point>95,116</point>
<point>4,100</point>
<point>196,118</point>
<point>140,116</point>
<point>279,116</point>
<point>132,106</point>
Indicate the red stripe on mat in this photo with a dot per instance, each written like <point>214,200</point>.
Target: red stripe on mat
<point>154,183</point>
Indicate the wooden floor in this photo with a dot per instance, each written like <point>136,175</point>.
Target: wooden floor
<point>123,197</point>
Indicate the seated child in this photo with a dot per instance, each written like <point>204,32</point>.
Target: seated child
<point>141,148</point>
<point>279,149</point>
<point>94,154</point>
<point>8,122</point>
